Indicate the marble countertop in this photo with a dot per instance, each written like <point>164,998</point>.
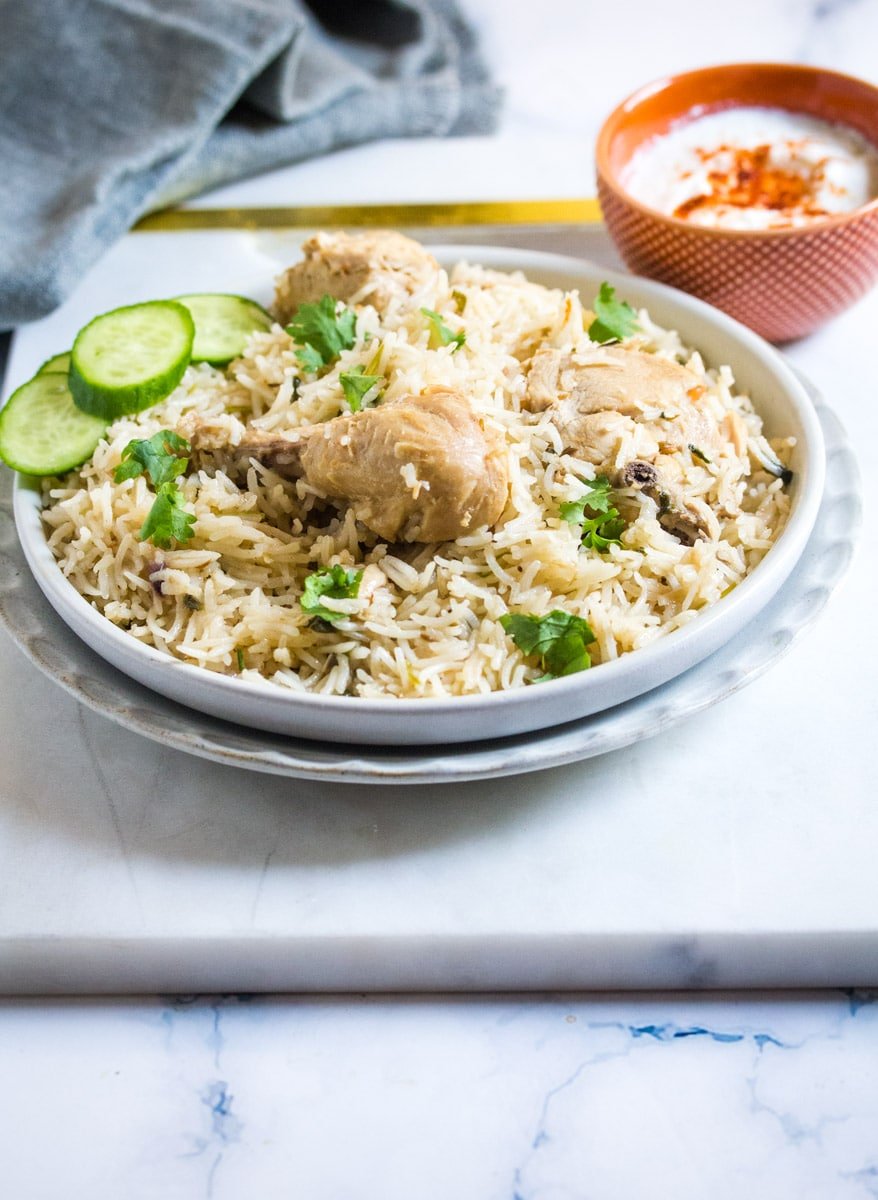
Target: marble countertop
<point>477,1098</point>
<point>523,1097</point>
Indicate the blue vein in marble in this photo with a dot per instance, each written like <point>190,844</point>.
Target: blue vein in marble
<point>667,1033</point>
<point>225,1129</point>
<point>541,1135</point>
<point>670,1033</point>
<point>225,1126</point>
<point>858,998</point>
<point>794,1131</point>
<point>867,1176</point>
<point>663,1032</point>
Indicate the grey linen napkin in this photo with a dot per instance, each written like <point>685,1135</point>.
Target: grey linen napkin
<point>110,108</point>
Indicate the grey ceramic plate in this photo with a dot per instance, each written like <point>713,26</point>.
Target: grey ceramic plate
<point>60,654</point>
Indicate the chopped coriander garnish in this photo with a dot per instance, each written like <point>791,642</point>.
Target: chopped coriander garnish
<point>459,300</point>
<point>162,457</point>
<point>600,532</point>
<point>558,639</point>
<point>337,583</point>
<point>239,658</point>
<point>440,334</point>
<point>310,360</point>
<point>699,454</point>
<point>356,384</point>
<point>603,529</point>
<point>597,498</point>
<point>614,319</point>
<point>322,331</point>
<point>167,521</point>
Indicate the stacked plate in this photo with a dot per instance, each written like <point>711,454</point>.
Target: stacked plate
<point>613,705</point>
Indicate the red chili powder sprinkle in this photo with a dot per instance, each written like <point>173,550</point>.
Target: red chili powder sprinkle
<point>752,182</point>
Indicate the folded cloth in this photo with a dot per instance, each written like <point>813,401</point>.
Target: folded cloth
<point>110,108</point>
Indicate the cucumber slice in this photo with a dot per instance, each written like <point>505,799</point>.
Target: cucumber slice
<point>58,362</point>
<point>42,432</point>
<point>131,358</point>
<point>223,323</point>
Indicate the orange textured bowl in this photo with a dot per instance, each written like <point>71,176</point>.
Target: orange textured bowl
<point>783,283</point>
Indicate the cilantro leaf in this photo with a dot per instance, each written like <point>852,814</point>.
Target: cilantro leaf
<point>601,532</point>
<point>322,332</point>
<point>558,639</point>
<point>440,334</point>
<point>167,521</point>
<point>337,583</point>
<point>162,457</point>
<point>614,319</point>
<point>459,299</point>
<point>356,384</point>
<point>604,529</point>
<point>597,498</point>
<point>310,360</point>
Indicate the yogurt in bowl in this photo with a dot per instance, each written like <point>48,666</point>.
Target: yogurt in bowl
<point>753,186</point>
<point>754,168</point>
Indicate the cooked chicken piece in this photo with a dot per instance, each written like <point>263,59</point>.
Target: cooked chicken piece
<point>650,405</point>
<point>596,437</point>
<point>366,268</point>
<point>417,469</point>
<point>659,394</point>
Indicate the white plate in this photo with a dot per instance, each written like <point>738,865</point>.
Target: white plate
<point>759,369</point>
<point>68,661</point>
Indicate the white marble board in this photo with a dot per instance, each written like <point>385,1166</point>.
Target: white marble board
<point>734,849</point>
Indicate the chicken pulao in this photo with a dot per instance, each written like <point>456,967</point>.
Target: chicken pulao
<point>426,483</point>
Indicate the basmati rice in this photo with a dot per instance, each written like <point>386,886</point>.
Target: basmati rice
<point>425,622</point>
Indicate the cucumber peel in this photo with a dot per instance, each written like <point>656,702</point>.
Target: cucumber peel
<point>57,363</point>
<point>42,432</point>
<point>131,358</point>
